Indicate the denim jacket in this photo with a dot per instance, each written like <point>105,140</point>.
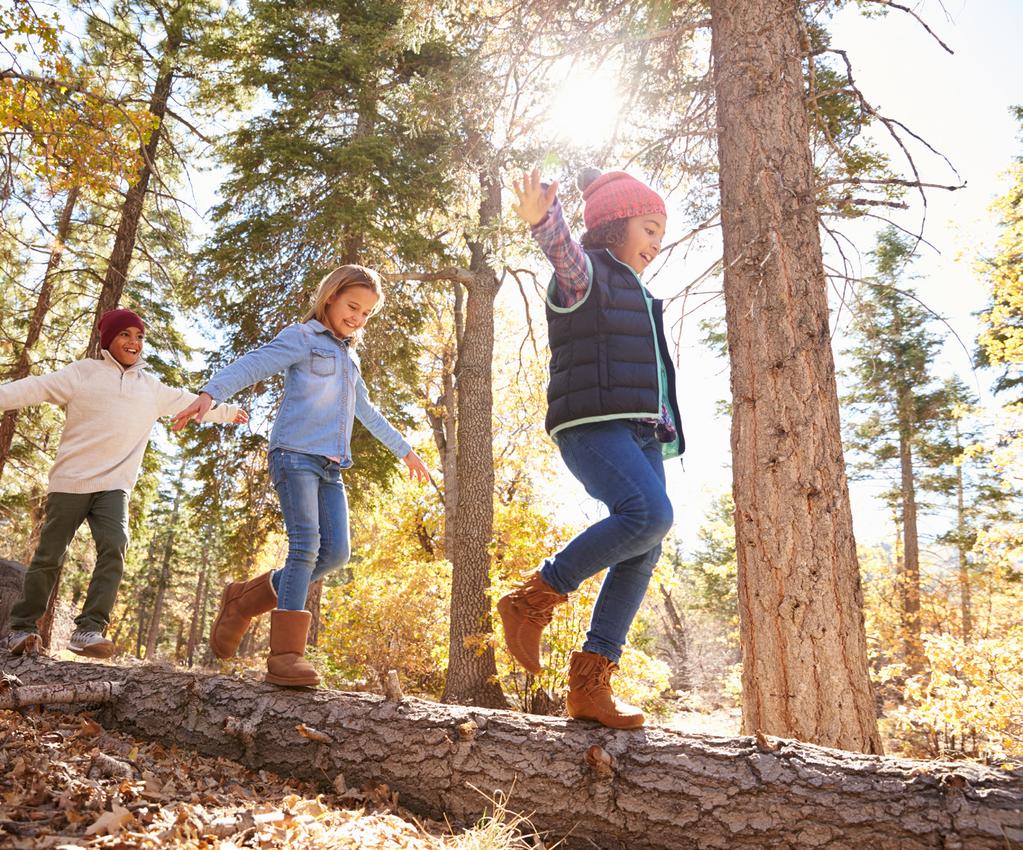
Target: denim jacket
<point>323,392</point>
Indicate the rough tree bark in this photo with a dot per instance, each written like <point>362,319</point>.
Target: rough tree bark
<point>472,668</point>
<point>313,598</point>
<point>443,415</point>
<point>650,789</point>
<point>800,601</point>
<point>35,323</point>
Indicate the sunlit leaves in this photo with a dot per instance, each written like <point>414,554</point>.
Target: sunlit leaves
<point>60,123</point>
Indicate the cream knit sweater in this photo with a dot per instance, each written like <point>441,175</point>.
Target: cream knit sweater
<point>109,414</point>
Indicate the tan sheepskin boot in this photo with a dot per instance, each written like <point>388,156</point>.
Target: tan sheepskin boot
<point>286,664</point>
<point>589,693</point>
<point>525,612</point>
<point>239,603</point>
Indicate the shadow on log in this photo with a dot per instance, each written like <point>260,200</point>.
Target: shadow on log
<point>650,789</point>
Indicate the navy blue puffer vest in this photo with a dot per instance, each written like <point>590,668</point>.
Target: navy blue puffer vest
<point>603,352</point>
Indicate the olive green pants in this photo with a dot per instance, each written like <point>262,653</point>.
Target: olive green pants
<point>107,515</point>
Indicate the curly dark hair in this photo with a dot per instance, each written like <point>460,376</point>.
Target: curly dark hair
<point>610,234</point>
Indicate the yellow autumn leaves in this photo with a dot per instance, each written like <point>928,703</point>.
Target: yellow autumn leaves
<point>62,121</point>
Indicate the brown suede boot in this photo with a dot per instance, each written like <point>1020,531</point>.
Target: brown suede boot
<point>524,614</point>
<point>589,693</point>
<point>286,665</point>
<point>239,603</point>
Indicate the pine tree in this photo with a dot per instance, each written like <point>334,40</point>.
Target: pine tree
<point>897,399</point>
<point>800,600</point>
<point>972,493</point>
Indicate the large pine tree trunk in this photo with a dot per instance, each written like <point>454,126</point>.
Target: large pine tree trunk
<point>651,789</point>
<point>35,323</point>
<point>472,669</point>
<point>131,209</point>
<point>800,602</point>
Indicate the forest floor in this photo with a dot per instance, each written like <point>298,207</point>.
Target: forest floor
<point>67,783</point>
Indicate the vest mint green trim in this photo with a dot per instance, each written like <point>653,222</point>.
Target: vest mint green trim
<point>553,286</point>
<point>611,417</point>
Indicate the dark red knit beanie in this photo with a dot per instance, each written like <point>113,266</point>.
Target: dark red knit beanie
<point>112,322</point>
<point>617,195</point>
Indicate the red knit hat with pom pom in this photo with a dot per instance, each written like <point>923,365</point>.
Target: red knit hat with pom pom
<point>617,195</point>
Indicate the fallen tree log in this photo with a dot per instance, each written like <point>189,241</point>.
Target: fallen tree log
<point>649,789</point>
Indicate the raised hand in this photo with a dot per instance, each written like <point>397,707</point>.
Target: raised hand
<point>533,199</point>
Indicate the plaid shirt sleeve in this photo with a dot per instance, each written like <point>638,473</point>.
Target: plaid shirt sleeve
<point>565,254</point>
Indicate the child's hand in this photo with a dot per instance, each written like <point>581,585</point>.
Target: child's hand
<point>416,467</point>
<point>534,200</point>
<point>241,417</point>
<point>196,410</point>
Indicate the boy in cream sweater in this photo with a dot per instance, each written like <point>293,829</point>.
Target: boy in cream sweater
<point>111,405</point>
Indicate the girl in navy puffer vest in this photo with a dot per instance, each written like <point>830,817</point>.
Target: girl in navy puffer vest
<point>613,413</point>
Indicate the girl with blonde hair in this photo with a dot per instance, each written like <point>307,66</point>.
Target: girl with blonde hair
<point>310,444</point>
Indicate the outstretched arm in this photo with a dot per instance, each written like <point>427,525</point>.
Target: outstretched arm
<point>538,204</point>
<point>55,387</point>
<point>276,356</point>
<point>380,428</point>
<point>282,351</point>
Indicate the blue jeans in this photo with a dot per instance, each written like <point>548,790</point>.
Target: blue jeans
<point>315,510</point>
<point>620,464</point>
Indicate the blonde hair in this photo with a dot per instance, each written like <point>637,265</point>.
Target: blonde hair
<point>334,283</point>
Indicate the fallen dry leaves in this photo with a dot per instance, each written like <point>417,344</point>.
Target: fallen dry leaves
<point>67,783</point>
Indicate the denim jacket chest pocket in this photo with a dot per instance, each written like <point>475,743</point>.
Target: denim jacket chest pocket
<point>323,361</point>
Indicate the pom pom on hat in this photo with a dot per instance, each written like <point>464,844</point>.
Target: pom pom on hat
<point>112,322</point>
<point>586,177</point>
<point>615,195</point>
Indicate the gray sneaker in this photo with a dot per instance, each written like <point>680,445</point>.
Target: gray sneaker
<point>22,643</point>
<point>90,644</point>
